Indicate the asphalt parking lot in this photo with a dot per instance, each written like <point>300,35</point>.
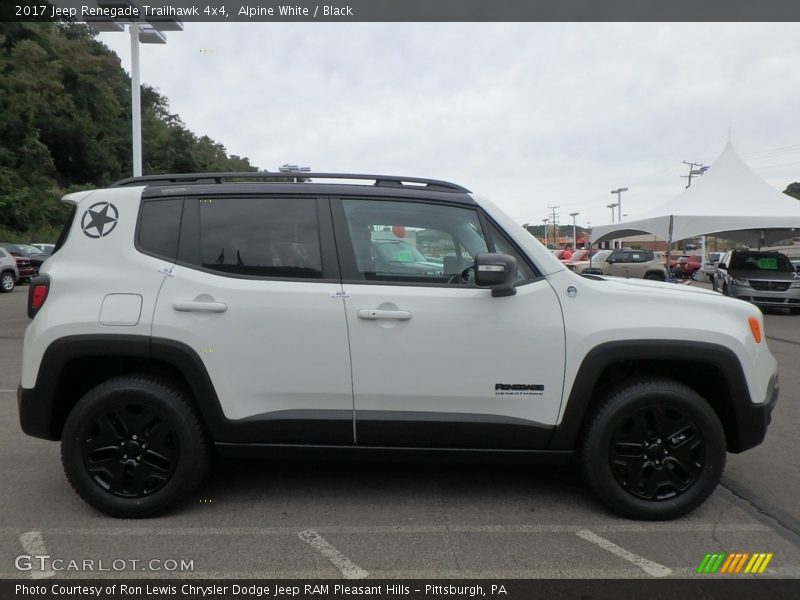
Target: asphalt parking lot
<point>366,519</point>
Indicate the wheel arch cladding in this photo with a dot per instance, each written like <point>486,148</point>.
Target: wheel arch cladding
<point>713,371</point>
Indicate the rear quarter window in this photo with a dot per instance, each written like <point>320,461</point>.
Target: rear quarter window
<point>159,225</point>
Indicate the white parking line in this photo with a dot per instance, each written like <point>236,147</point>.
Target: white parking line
<point>648,566</point>
<point>8,391</point>
<point>33,544</point>
<point>340,561</point>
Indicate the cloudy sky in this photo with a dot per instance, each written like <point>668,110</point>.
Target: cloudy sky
<point>530,114</point>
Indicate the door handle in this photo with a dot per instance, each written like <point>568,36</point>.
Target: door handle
<point>373,314</point>
<point>193,305</point>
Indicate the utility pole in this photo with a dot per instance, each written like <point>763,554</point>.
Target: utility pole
<point>693,172</point>
<point>545,221</point>
<point>555,220</point>
<point>574,231</point>
<point>697,172</point>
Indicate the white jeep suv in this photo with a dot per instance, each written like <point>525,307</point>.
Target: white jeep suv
<point>244,313</point>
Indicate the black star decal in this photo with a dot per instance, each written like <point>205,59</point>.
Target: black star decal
<point>100,217</point>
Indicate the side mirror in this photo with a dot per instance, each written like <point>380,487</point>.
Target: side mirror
<point>497,272</point>
<point>610,260</point>
<point>722,266</point>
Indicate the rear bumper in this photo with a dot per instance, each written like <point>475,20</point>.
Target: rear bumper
<point>35,414</point>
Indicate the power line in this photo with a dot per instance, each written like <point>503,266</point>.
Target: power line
<point>693,171</point>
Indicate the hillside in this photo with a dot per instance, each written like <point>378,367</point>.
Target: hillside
<point>65,105</point>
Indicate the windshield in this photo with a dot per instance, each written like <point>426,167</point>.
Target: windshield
<point>581,255</point>
<point>758,261</point>
<point>601,256</point>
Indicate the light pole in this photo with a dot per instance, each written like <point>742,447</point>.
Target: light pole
<point>612,207</point>
<point>574,231</point>
<point>618,192</point>
<point>545,221</point>
<point>140,32</point>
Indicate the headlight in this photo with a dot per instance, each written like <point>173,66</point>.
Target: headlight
<point>740,282</point>
<point>796,284</point>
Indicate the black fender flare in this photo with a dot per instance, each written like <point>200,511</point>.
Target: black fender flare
<point>745,423</point>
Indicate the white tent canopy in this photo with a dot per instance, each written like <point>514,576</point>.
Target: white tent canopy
<point>728,201</point>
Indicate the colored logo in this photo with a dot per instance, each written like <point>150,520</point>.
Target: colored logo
<point>735,562</point>
<point>99,220</point>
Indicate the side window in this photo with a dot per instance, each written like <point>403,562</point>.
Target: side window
<point>412,242</point>
<point>159,225</point>
<point>503,246</point>
<point>256,237</point>
<point>641,256</point>
<point>620,257</point>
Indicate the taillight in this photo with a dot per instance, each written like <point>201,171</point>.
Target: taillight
<point>37,294</point>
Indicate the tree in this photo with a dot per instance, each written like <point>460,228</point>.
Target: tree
<point>65,124</point>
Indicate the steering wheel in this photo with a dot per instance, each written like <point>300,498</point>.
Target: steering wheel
<point>462,277</point>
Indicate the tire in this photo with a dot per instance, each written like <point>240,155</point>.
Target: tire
<point>696,276</point>
<point>655,277</point>
<point>673,469</point>
<point>7,282</point>
<point>133,446</point>
<point>794,311</point>
<point>724,289</point>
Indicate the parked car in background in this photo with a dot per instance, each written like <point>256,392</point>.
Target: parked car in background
<point>26,270</point>
<point>577,255</point>
<point>9,272</point>
<point>710,266</point>
<point>641,264</point>
<point>35,256</point>
<point>44,247</point>
<point>594,258</point>
<point>765,278</point>
<point>686,266</point>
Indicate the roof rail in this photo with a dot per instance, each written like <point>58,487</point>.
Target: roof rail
<point>270,177</point>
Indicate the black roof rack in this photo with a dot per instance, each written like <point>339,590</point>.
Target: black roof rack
<point>269,177</point>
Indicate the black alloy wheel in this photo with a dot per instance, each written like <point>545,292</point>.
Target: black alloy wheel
<point>654,449</point>
<point>133,446</point>
<point>130,449</point>
<point>657,453</point>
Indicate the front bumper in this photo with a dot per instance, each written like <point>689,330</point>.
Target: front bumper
<point>782,299</point>
<point>753,419</point>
